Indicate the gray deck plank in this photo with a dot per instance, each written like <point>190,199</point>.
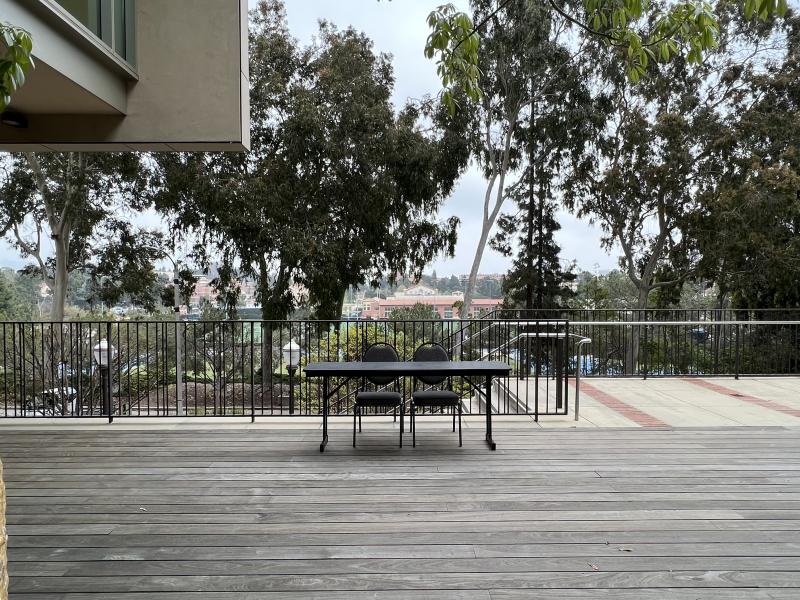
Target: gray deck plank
<point>240,514</point>
<point>430,550</point>
<point>408,581</point>
<point>500,594</point>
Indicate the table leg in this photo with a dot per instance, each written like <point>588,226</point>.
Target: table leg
<point>489,439</point>
<point>324,414</point>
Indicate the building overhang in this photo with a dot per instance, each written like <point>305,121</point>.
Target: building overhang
<point>189,90</point>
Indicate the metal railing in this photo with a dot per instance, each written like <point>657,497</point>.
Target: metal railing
<point>238,368</point>
<point>672,342</point>
<point>702,348</point>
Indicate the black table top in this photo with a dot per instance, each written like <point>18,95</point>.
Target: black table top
<point>407,368</point>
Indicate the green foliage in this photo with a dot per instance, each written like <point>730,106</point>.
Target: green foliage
<point>613,290</point>
<point>15,62</point>
<point>552,141</point>
<point>418,312</point>
<point>72,199</point>
<point>537,278</point>
<point>13,305</point>
<point>124,268</point>
<point>640,32</point>
<point>454,41</point>
<point>747,230</point>
<point>337,191</point>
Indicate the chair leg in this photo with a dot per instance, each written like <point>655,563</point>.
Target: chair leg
<point>413,426</point>
<point>355,416</point>
<point>359,419</point>
<point>459,425</point>
<point>454,419</point>
<point>401,425</point>
<point>394,413</point>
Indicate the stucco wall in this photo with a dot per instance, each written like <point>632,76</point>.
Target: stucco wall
<point>192,91</point>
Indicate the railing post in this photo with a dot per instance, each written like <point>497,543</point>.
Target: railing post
<point>736,364</point>
<point>108,387</point>
<point>646,347</point>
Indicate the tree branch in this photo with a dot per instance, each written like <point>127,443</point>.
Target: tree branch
<point>34,250</point>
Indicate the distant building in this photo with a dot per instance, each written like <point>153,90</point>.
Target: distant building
<point>204,290</point>
<point>442,304</point>
<point>417,291</point>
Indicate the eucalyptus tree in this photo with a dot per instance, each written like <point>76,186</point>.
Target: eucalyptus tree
<point>556,138</point>
<point>658,158</point>
<point>338,190</point>
<point>638,33</point>
<point>529,68</point>
<point>748,225</point>
<point>378,178</point>
<point>59,209</point>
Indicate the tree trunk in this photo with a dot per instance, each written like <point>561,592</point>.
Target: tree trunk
<point>499,170</point>
<point>476,265</point>
<point>531,197</point>
<point>332,311</point>
<point>632,353</point>
<point>60,278</point>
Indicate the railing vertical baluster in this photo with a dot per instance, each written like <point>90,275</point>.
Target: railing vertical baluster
<point>646,346</point>
<point>736,365</point>
<point>5,373</point>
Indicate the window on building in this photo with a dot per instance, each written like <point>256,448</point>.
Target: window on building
<point>110,20</point>
<point>448,313</point>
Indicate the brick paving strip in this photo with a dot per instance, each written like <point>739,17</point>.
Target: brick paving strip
<point>632,413</point>
<point>721,389</point>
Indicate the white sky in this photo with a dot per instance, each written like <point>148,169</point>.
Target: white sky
<point>398,28</point>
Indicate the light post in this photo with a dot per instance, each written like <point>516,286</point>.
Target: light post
<point>176,310</point>
<point>104,353</point>
<point>291,358</point>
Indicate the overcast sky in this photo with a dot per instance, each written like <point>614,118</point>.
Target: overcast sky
<point>398,28</point>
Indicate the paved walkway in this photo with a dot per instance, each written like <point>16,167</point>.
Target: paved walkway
<point>686,402</point>
<point>604,402</point>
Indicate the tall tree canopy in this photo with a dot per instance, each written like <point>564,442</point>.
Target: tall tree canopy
<point>537,278</point>
<point>338,190</point>
<point>555,139</point>
<point>748,228</point>
<point>637,32</point>
<point>61,209</point>
<point>535,109</point>
<point>659,158</point>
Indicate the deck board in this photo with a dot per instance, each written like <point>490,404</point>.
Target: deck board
<point>241,514</point>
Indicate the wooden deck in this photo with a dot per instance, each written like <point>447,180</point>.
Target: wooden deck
<point>239,514</point>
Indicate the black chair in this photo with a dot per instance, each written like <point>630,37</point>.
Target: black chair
<point>379,352</point>
<point>434,398</point>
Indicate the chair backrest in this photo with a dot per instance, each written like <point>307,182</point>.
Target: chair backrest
<point>431,353</point>
<point>380,352</point>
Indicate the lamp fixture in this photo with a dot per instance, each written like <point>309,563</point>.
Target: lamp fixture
<point>14,119</point>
